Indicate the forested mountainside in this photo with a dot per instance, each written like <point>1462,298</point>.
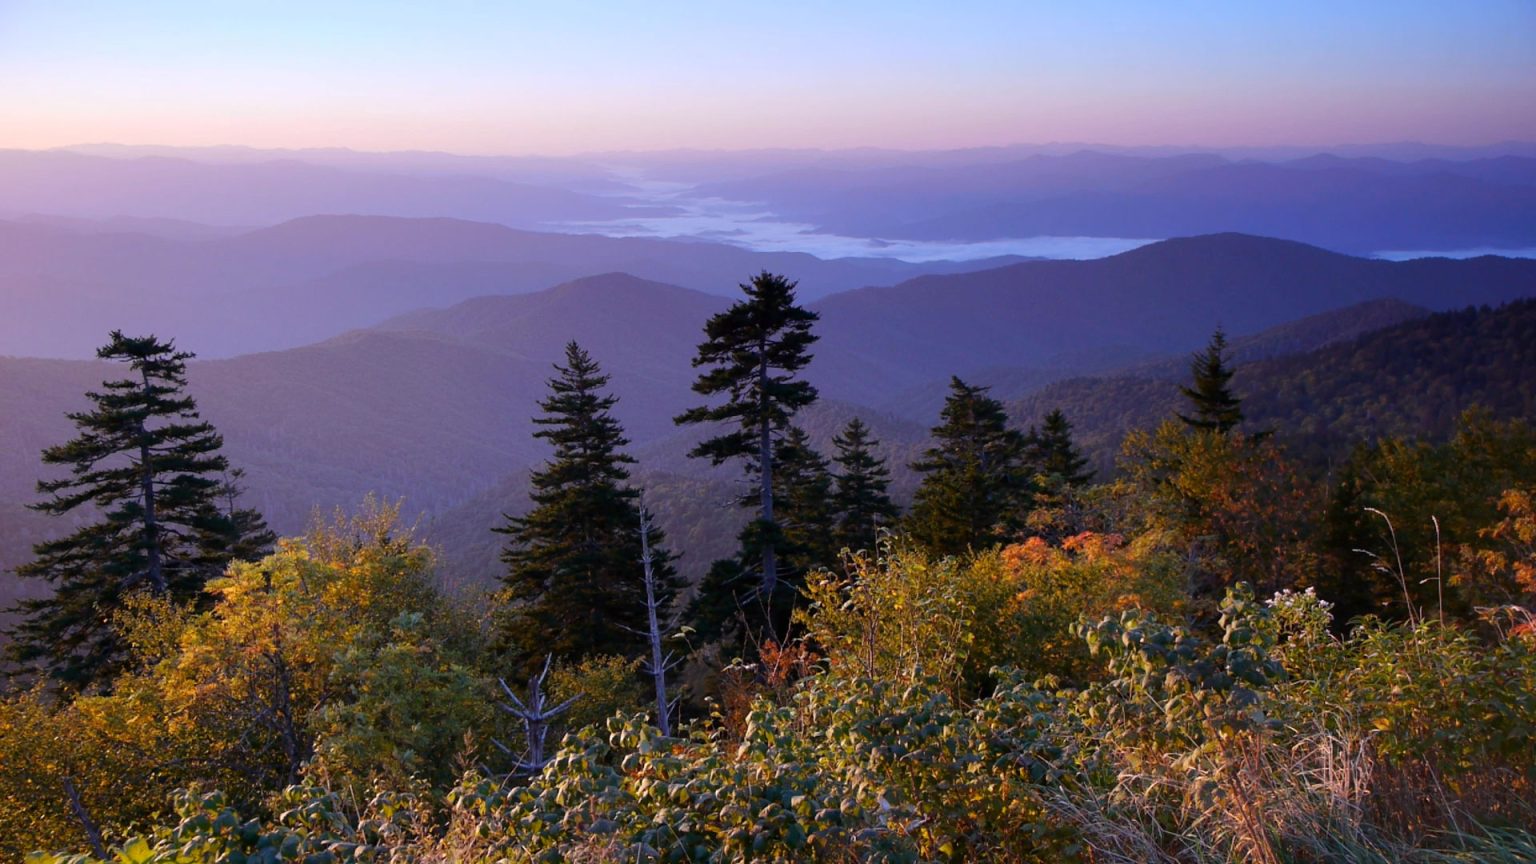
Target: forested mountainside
<point>1036,321</point>
<point>1413,379</point>
<point>283,413</point>
<point>1104,313</point>
<point>434,407</point>
<point>1294,337</point>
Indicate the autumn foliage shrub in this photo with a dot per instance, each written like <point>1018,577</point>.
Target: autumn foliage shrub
<point>1111,726</point>
<point>909,615</point>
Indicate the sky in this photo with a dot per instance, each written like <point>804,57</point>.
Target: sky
<point>569,76</point>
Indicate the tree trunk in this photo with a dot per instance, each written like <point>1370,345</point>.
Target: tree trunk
<point>156,572</point>
<point>296,749</point>
<point>658,659</point>
<point>765,459</point>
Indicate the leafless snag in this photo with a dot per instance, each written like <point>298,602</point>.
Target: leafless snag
<point>535,714</point>
<point>660,661</point>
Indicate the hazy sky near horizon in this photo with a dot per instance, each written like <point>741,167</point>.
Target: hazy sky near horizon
<point>544,76</point>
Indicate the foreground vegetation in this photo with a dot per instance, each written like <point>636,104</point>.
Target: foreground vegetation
<point>1038,702</point>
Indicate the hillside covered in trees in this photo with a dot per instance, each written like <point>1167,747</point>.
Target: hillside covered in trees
<point>1412,379</point>
<point>1292,620</point>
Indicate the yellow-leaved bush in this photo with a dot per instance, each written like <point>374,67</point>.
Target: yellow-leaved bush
<point>908,615</point>
<point>334,660</point>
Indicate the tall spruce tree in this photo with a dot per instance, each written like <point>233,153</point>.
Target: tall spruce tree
<point>146,462</point>
<point>1210,394</point>
<point>753,352</point>
<point>574,584</point>
<point>803,489</point>
<point>975,487</point>
<point>862,499</point>
<point>1051,454</point>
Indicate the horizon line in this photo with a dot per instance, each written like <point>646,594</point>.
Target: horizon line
<point>1083,146</point>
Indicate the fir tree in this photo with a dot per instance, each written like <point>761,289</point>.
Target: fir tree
<point>753,352</point>
<point>1345,575</point>
<point>803,490</point>
<point>249,538</point>
<point>1058,470</point>
<point>862,501</point>
<point>1051,454</point>
<point>975,486</point>
<point>145,460</point>
<point>574,584</point>
<point>1215,407</point>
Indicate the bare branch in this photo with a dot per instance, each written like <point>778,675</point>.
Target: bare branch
<point>535,716</point>
<point>83,816</point>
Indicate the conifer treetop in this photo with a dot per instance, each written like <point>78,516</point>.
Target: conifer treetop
<point>862,497</point>
<point>1215,406</point>
<point>574,586</point>
<point>1052,453</point>
<point>754,351</point>
<point>975,487</point>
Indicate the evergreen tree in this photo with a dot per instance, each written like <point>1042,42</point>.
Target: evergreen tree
<point>1050,453</point>
<point>574,584</point>
<point>1345,575</point>
<point>861,499</point>
<point>145,460</point>
<point>1058,470</point>
<point>803,490</point>
<point>975,485</point>
<point>1215,407</point>
<point>249,538</point>
<point>753,352</point>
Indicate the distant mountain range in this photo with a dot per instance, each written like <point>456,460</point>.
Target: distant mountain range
<point>307,279</point>
<point>1357,205</point>
<point>1402,199</point>
<point>435,406</point>
<point>259,193</point>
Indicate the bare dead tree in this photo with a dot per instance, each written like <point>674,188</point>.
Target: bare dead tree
<point>660,661</point>
<point>535,714</point>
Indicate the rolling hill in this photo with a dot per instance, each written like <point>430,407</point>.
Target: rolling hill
<point>1041,319</point>
<point>314,277</point>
